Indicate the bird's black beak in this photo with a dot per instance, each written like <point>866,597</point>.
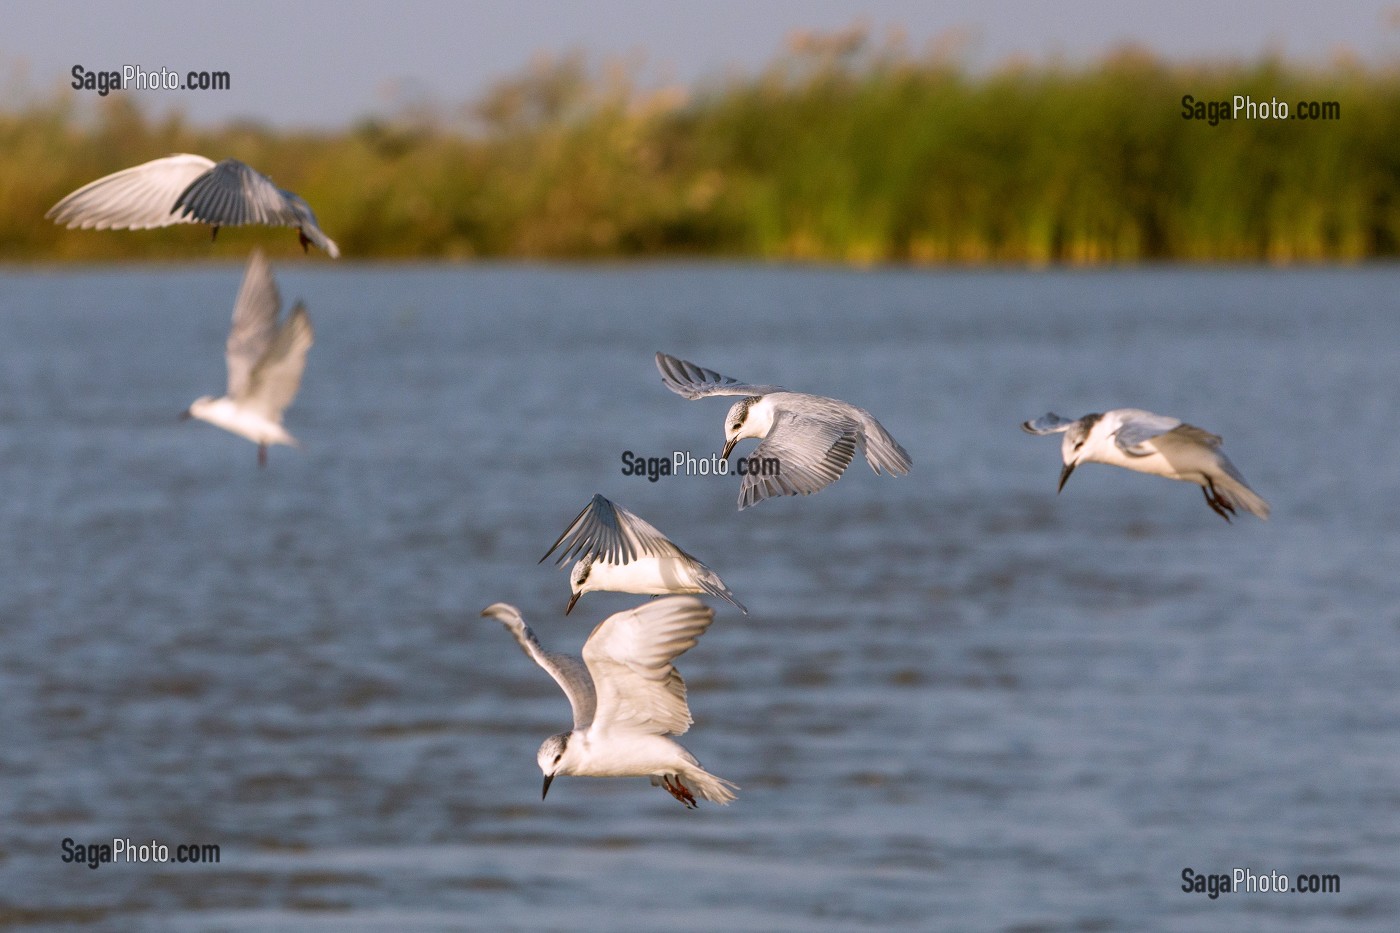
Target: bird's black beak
<point>572,599</point>
<point>728,446</point>
<point>545,792</point>
<point>1064,475</point>
<point>185,415</point>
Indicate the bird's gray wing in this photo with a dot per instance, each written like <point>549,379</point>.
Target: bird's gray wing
<point>810,454</point>
<point>1197,435</point>
<point>691,381</point>
<point>137,198</point>
<point>232,194</point>
<point>277,375</point>
<point>607,532</point>
<point>570,674</point>
<point>1048,423</point>
<point>254,323</point>
<point>629,656</point>
<point>1138,426</point>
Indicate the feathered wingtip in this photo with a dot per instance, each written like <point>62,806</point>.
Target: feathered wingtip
<point>1048,423</point>
<point>883,452</point>
<point>683,377</point>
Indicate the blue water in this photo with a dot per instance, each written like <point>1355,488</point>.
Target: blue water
<point>960,701</point>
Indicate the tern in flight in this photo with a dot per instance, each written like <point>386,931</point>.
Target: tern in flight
<point>1157,444</point>
<point>188,189</point>
<point>627,698</point>
<point>265,363</point>
<point>619,552</point>
<point>810,438</point>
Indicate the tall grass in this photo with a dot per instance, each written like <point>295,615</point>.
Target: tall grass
<point>839,150</point>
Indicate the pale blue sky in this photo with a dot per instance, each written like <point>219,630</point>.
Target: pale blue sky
<point>311,63</point>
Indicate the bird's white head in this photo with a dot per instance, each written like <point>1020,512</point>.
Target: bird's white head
<point>551,759</point>
<point>747,417</point>
<point>199,408</point>
<point>578,582</point>
<point>1077,446</point>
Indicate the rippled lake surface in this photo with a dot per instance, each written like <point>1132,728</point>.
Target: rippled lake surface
<point>959,701</point>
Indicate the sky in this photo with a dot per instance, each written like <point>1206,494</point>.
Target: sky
<point>307,63</point>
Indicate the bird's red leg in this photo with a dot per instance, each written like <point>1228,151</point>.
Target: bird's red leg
<point>678,790</point>
<point>1214,500</point>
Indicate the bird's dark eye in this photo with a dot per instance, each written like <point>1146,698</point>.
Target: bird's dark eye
<point>557,757</point>
<point>736,425</point>
<point>1079,445</point>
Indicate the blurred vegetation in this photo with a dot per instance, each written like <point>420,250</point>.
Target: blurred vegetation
<point>842,149</point>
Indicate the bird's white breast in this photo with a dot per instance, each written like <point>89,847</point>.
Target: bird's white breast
<point>646,576</point>
<point>227,414</point>
<point>605,751</point>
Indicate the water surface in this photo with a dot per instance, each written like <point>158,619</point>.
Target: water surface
<point>959,701</point>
